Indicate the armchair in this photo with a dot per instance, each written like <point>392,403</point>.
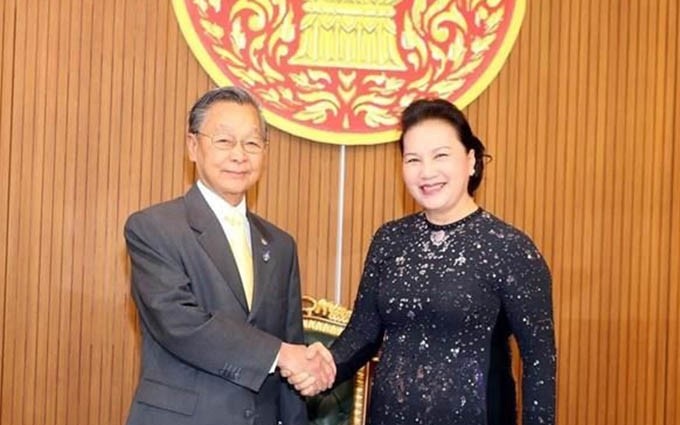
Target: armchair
<point>346,403</point>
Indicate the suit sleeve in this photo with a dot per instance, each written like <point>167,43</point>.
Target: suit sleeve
<point>175,319</point>
<point>293,408</point>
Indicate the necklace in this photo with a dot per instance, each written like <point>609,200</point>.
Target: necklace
<point>438,237</point>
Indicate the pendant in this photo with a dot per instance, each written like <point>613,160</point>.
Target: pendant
<point>438,237</point>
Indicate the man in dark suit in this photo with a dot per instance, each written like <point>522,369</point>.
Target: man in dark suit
<point>217,287</point>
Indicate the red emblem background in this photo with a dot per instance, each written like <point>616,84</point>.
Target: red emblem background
<point>291,55</point>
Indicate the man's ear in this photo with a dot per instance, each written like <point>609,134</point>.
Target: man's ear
<point>192,146</point>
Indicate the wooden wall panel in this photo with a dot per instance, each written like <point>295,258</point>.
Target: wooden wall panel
<point>576,122</point>
<point>93,112</point>
<point>669,123</point>
<point>374,194</point>
<point>7,35</point>
<point>583,123</point>
<point>299,193</point>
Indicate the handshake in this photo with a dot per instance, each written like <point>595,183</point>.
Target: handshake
<point>310,370</point>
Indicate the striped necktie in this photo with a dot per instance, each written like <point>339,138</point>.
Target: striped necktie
<point>238,240</point>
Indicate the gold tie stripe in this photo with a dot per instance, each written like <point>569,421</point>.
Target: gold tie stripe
<point>238,240</point>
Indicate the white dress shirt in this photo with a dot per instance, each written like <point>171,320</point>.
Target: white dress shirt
<point>222,208</point>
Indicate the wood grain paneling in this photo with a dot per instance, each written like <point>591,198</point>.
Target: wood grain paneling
<point>374,194</point>
<point>669,124</point>
<point>580,125</point>
<point>299,193</point>
<point>7,35</point>
<point>583,123</point>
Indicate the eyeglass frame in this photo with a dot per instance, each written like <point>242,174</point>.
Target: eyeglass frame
<point>231,143</point>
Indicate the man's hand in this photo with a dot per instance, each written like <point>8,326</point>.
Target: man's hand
<point>309,369</point>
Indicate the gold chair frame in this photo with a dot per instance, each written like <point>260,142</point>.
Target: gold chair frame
<point>330,318</point>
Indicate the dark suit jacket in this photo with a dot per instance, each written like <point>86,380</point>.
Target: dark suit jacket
<point>205,357</point>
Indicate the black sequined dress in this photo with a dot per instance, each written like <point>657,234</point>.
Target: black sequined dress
<point>433,294</point>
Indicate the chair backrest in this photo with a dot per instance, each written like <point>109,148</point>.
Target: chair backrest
<point>345,404</point>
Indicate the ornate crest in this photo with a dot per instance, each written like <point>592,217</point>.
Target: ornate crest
<point>341,71</point>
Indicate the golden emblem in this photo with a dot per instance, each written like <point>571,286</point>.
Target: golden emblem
<point>341,71</point>
<point>349,34</point>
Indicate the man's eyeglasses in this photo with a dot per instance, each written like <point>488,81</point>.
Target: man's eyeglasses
<point>253,144</point>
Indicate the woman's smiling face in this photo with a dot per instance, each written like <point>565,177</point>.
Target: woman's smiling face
<point>436,170</point>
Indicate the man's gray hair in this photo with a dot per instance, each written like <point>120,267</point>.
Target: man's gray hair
<point>222,94</point>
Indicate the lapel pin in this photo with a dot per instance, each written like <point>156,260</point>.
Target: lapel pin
<point>266,256</point>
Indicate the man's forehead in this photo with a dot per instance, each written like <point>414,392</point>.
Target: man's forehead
<point>240,127</point>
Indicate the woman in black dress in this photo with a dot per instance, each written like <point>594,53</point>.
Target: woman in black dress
<point>434,285</point>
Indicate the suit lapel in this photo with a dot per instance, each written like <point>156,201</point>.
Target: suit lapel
<point>211,237</point>
<point>263,260</point>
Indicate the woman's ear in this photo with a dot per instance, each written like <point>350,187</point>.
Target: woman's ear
<point>472,162</point>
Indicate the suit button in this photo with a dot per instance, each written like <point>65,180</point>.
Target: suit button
<point>248,413</point>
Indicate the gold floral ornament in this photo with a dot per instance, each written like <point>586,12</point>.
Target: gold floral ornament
<point>341,71</point>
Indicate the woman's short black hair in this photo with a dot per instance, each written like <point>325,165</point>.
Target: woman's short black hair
<point>440,109</point>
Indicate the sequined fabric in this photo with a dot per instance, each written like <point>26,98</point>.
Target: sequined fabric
<point>432,295</point>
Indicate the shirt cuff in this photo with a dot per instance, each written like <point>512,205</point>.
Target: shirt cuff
<point>276,361</point>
